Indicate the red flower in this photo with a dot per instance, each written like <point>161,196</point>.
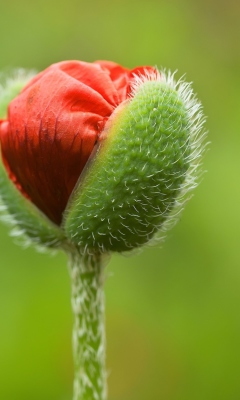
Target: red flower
<point>53,125</point>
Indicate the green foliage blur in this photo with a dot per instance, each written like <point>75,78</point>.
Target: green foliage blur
<point>172,312</point>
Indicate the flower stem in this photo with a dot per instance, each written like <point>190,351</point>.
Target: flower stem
<point>88,330</point>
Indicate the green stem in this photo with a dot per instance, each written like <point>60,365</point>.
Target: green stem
<point>88,330</point>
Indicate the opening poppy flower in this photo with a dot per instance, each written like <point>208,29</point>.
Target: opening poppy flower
<point>53,125</point>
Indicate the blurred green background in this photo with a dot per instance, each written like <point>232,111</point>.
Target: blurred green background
<point>172,313</point>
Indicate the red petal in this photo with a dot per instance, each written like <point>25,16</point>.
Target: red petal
<point>118,75</point>
<point>53,126</point>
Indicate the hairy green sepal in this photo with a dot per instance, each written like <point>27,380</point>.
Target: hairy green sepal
<point>131,185</point>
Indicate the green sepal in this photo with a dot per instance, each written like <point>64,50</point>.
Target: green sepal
<point>28,221</point>
<point>133,182</point>
<point>10,86</point>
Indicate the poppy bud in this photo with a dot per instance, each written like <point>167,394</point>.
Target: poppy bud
<point>100,154</point>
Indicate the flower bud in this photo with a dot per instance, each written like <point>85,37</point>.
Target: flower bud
<point>102,153</point>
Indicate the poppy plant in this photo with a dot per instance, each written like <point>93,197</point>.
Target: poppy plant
<point>96,158</point>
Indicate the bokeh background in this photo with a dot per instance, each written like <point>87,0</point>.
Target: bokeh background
<point>172,312</point>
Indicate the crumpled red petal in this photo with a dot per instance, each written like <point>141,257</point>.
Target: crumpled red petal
<point>53,125</point>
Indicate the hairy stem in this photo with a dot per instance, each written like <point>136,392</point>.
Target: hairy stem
<point>88,330</point>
